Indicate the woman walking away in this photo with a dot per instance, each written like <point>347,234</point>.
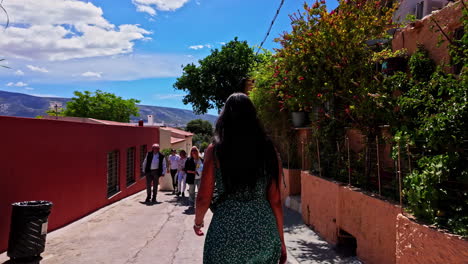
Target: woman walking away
<point>192,168</point>
<point>181,175</point>
<point>240,184</point>
<point>173,164</point>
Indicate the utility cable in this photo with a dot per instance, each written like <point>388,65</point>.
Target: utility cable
<point>6,13</point>
<point>271,26</point>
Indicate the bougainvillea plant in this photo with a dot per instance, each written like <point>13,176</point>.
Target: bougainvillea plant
<point>325,56</point>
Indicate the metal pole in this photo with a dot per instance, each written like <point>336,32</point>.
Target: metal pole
<point>409,157</point>
<point>399,177</point>
<point>318,156</point>
<point>289,154</point>
<point>349,161</point>
<point>378,163</point>
<point>302,150</point>
<point>366,160</point>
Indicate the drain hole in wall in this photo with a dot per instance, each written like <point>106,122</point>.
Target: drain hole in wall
<point>347,244</point>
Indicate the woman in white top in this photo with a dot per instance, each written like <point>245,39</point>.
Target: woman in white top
<point>181,175</point>
<point>173,164</point>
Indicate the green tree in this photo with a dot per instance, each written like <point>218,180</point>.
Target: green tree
<point>202,130</point>
<point>199,126</point>
<point>101,105</point>
<point>217,76</point>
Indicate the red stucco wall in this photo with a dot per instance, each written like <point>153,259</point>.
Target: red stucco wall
<point>420,32</point>
<point>63,162</point>
<point>418,244</point>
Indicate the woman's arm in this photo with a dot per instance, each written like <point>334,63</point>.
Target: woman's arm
<point>274,197</point>
<point>205,193</point>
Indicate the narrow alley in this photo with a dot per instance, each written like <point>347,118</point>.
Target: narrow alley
<point>131,232</point>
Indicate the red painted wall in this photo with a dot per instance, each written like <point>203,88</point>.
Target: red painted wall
<point>66,163</point>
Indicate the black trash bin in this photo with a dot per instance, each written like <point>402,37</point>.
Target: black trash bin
<point>28,229</point>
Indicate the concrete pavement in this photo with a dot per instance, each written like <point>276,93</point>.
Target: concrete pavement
<point>130,232</point>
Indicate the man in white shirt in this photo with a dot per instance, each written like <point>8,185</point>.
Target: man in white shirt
<point>173,165</point>
<point>154,167</point>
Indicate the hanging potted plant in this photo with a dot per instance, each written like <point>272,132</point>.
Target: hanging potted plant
<point>299,113</point>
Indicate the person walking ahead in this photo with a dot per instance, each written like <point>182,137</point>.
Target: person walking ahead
<point>193,167</point>
<point>174,164</point>
<point>181,173</point>
<point>154,166</point>
<point>242,168</point>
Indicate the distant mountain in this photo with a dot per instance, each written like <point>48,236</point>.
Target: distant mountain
<point>23,105</point>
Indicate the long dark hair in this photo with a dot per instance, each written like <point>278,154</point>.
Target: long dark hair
<point>244,151</point>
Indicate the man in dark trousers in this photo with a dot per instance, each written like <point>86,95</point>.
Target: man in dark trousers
<point>154,167</point>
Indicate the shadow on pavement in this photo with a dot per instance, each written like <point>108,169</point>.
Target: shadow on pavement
<point>306,246</point>
<point>189,211</point>
<point>181,201</point>
<point>35,260</point>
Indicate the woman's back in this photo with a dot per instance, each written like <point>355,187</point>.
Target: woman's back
<point>243,228</point>
<point>240,185</point>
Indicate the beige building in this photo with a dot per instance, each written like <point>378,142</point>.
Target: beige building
<point>174,138</point>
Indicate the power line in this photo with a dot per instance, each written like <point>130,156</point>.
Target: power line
<point>271,25</point>
<point>6,13</point>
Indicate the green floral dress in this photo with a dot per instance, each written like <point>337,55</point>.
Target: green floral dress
<point>243,228</point>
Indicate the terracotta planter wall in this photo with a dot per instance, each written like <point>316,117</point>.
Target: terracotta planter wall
<point>319,200</point>
<point>372,222</point>
<point>382,234</point>
<point>418,244</point>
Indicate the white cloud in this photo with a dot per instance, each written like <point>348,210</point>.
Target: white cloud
<point>19,72</point>
<point>92,74</point>
<point>18,84</point>
<point>150,6</point>
<point>146,9</point>
<point>29,88</point>
<point>115,68</point>
<point>222,43</point>
<point>167,96</point>
<point>197,47</point>
<point>62,30</point>
<point>43,95</point>
<point>37,69</point>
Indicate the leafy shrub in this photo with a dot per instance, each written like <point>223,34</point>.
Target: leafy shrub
<point>420,65</point>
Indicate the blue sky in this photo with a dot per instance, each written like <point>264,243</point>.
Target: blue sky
<point>133,48</point>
